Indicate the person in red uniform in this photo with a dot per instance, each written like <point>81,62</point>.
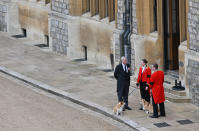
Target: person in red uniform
<point>158,97</point>
<point>143,81</point>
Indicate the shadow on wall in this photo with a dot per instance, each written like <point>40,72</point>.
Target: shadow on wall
<point>35,20</point>
<point>93,42</point>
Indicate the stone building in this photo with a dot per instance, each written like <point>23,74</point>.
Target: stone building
<point>26,17</point>
<point>101,31</point>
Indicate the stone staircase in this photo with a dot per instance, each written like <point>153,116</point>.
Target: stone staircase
<point>173,95</point>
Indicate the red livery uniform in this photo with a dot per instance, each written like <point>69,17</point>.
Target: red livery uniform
<point>158,97</point>
<point>145,75</point>
<point>157,80</point>
<point>143,80</point>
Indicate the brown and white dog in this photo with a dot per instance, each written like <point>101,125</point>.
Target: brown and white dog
<point>119,108</point>
<point>147,107</point>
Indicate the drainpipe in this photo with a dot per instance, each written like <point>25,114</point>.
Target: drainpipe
<point>126,34</point>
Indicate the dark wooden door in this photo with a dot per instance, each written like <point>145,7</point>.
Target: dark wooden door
<point>173,37</point>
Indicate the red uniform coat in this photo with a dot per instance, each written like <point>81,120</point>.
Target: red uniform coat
<point>145,76</point>
<point>156,83</point>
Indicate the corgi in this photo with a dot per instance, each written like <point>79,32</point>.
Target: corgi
<point>118,109</point>
<point>147,107</point>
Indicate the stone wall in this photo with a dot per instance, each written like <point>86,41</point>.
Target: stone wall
<point>59,34</point>
<point>193,80</point>
<point>3,17</point>
<point>120,14</point>
<point>134,31</point>
<point>193,24</point>
<point>81,36</point>
<point>33,17</point>
<point>60,6</point>
<point>118,31</point>
<point>59,26</point>
<point>192,55</point>
<point>146,42</point>
<point>135,26</point>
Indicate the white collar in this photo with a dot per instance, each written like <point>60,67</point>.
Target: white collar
<point>144,66</point>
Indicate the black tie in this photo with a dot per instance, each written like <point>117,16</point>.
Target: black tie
<point>125,68</point>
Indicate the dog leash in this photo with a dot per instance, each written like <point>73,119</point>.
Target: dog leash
<point>132,91</point>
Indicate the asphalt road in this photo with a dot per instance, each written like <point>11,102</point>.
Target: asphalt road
<point>23,109</point>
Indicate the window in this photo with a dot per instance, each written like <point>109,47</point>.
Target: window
<point>102,9</point>
<point>111,10</point>
<point>94,7</point>
<point>85,6</point>
<point>105,8</point>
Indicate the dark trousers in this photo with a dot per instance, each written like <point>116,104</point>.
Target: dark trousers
<point>144,93</point>
<point>155,108</point>
<point>123,93</point>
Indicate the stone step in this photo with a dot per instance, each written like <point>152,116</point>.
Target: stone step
<point>177,99</point>
<point>168,88</point>
<point>170,80</point>
<point>172,73</point>
<point>171,76</point>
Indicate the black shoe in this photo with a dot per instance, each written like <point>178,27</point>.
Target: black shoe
<point>162,115</point>
<point>123,109</point>
<point>140,108</point>
<point>153,116</point>
<point>128,108</point>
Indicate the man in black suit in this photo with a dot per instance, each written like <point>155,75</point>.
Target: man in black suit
<point>122,74</point>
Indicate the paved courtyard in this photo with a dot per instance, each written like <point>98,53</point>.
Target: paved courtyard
<point>85,80</point>
<point>23,109</point>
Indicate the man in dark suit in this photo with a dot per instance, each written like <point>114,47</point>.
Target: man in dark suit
<point>122,74</point>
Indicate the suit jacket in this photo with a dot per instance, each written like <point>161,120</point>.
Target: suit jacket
<point>156,83</point>
<point>123,78</point>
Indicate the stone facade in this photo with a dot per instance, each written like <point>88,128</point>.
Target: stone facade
<point>193,17</point>
<point>134,22</point>
<point>118,31</point>
<point>120,14</point>
<point>192,55</point>
<point>193,80</point>
<point>59,34</point>
<point>59,26</point>
<point>60,6</point>
<point>3,17</point>
<point>134,32</point>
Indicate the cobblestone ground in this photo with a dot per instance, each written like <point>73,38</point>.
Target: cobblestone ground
<point>85,80</point>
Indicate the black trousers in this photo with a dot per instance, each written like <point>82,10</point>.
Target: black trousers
<point>123,93</point>
<point>155,108</point>
<point>144,93</point>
